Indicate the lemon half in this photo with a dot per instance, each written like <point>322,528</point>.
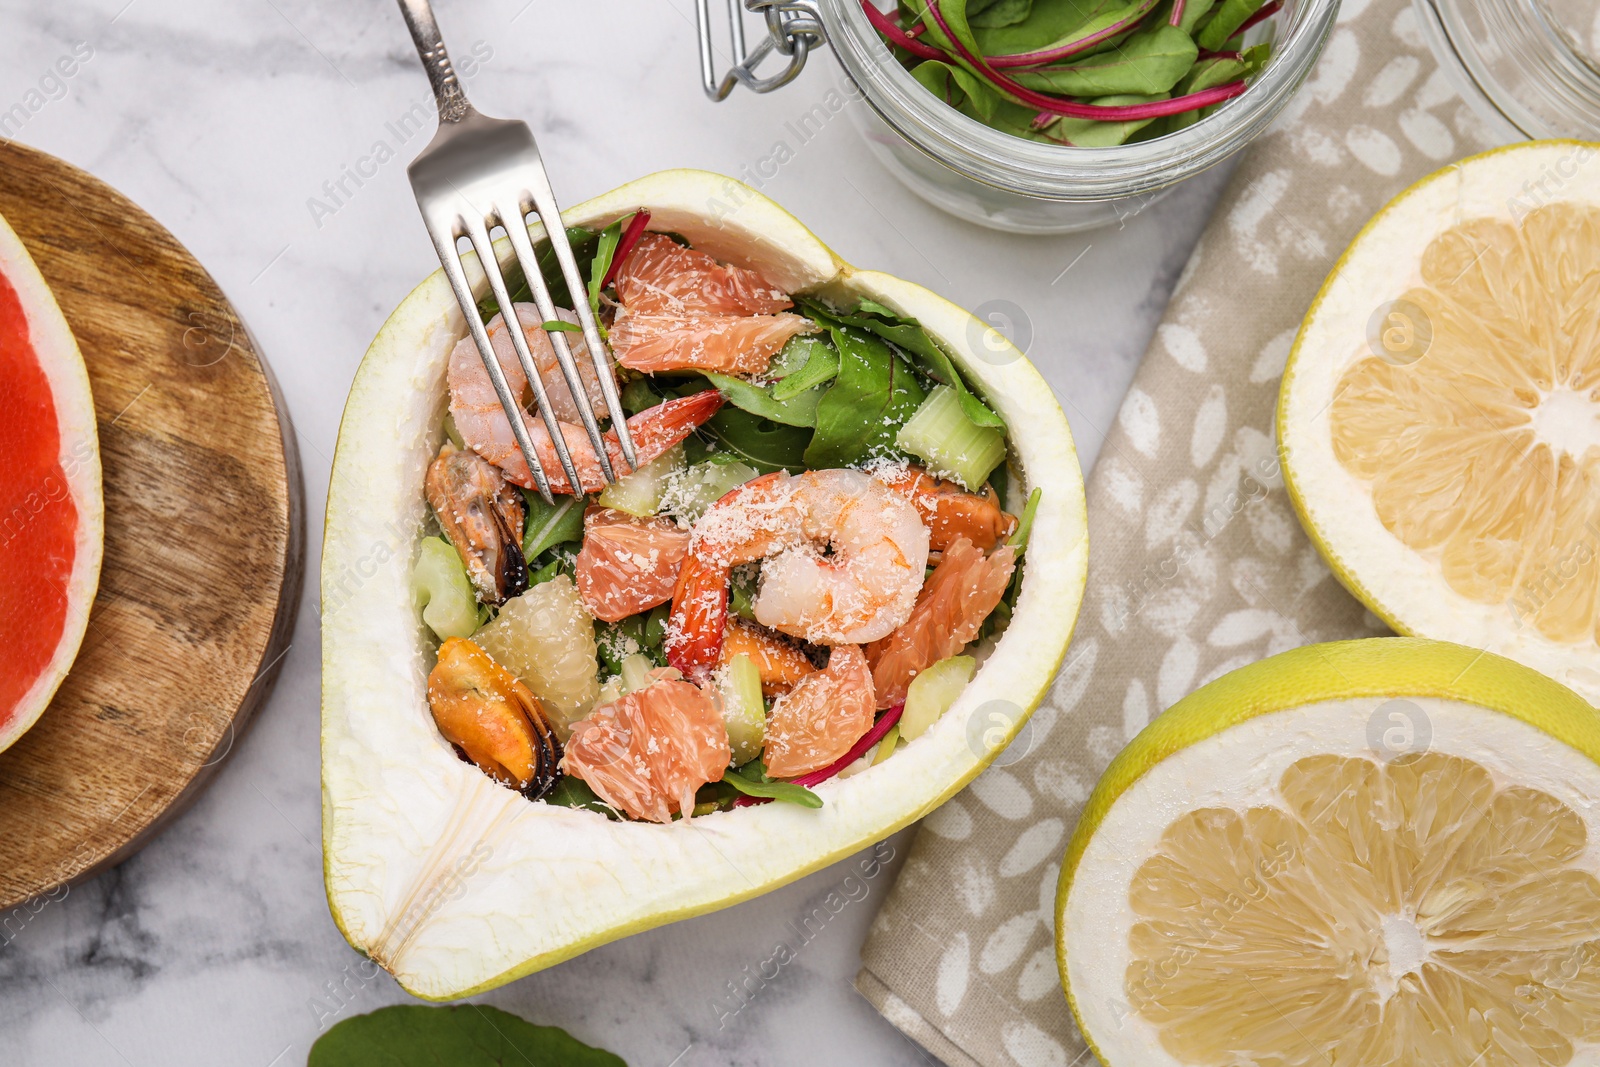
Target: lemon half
<point>1361,853</point>
<point>1439,418</point>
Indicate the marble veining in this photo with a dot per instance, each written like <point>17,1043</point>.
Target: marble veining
<point>237,124</point>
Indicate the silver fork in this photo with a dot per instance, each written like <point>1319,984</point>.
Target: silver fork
<point>480,173</point>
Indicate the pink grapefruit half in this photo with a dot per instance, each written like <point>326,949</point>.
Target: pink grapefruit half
<point>52,517</point>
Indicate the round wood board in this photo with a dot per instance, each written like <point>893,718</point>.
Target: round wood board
<point>204,536</point>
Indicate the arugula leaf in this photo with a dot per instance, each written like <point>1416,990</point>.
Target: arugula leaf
<point>547,525</point>
<point>560,326</point>
<point>1151,61</point>
<point>461,1035</point>
<point>752,781</point>
<point>798,409</point>
<point>766,445</point>
<point>863,410</point>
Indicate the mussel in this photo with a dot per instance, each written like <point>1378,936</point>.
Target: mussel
<point>481,513</point>
<point>491,717</point>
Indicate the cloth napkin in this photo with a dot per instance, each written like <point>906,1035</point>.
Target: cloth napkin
<point>1198,564</point>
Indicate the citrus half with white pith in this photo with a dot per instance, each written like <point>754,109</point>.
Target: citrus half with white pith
<point>1369,852</point>
<point>456,884</point>
<point>1439,418</point>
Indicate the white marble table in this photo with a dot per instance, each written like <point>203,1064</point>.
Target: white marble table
<point>233,122</point>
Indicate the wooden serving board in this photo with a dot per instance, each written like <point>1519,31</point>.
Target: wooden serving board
<point>204,536</point>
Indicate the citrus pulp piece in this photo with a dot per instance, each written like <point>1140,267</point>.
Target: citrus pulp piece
<point>546,638</point>
<point>1439,418</point>
<point>1368,852</point>
<point>456,884</point>
<point>52,516</point>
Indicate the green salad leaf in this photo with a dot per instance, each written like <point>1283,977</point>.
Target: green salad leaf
<point>752,781</point>
<point>909,336</point>
<point>584,244</point>
<point>860,415</point>
<point>766,445</point>
<point>797,409</point>
<point>460,1035</point>
<point>573,792</point>
<point>1151,61</point>
<point>548,525</point>
<point>806,366</point>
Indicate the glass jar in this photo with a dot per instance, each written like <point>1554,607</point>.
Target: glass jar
<point>1530,68</point>
<point>1008,183</point>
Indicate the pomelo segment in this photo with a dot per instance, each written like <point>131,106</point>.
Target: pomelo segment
<point>51,512</point>
<point>457,885</point>
<point>1369,852</point>
<point>1439,418</point>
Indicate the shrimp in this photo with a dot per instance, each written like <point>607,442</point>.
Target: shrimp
<point>483,425</point>
<point>681,309</point>
<point>544,361</point>
<point>482,517</point>
<point>860,592</point>
<point>949,510</point>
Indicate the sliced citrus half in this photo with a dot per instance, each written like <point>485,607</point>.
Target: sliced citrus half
<point>1439,418</point>
<point>1368,852</point>
<point>52,515</point>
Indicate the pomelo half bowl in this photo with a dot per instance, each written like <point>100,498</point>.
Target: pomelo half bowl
<point>455,884</point>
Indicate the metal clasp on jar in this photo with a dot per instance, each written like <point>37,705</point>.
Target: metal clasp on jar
<point>794,27</point>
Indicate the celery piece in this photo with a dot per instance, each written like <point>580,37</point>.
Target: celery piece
<point>640,493</point>
<point>636,672</point>
<point>887,745</point>
<point>451,432</point>
<point>440,587</point>
<point>703,485</point>
<point>932,692</point>
<point>952,445</point>
<point>743,710</point>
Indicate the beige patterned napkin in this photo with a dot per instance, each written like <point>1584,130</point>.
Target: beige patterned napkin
<point>1197,562</point>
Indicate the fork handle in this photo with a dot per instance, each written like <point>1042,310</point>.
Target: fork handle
<point>452,99</point>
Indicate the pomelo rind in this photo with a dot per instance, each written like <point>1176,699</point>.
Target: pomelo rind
<point>1386,575</point>
<point>63,365</point>
<point>1385,667</point>
<point>481,911</point>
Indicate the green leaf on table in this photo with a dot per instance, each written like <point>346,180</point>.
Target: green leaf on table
<point>766,445</point>
<point>860,415</point>
<point>798,409</point>
<point>1151,61</point>
<point>547,525</point>
<point>460,1035</point>
<point>989,13</point>
<point>1225,21</point>
<point>752,781</point>
<point>1098,133</point>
